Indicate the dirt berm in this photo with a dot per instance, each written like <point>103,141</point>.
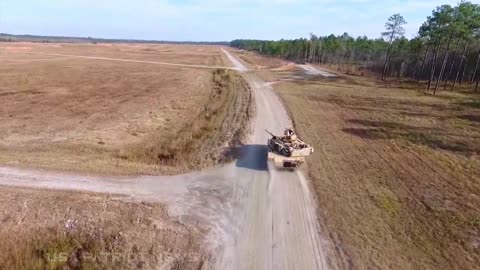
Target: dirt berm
<point>202,142</point>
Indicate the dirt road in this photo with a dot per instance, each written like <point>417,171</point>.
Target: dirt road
<point>279,228</point>
<point>133,61</point>
<point>260,218</point>
<point>311,70</point>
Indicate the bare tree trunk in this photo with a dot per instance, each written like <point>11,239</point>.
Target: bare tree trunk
<point>307,52</point>
<point>423,64</point>
<point>444,63</point>
<point>464,66</point>
<point>415,68</point>
<point>476,69</point>
<point>476,86</point>
<point>312,52</point>
<point>400,69</point>
<point>385,66</point>
<point>432,69</point>
<point>352,59</point>
<point>460,66</point>
<point>449,75</point>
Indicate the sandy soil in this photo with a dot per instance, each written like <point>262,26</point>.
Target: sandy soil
<point>257,217</point>
<point>311,70</point>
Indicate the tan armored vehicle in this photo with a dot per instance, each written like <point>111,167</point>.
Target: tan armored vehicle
<point>287,151</point>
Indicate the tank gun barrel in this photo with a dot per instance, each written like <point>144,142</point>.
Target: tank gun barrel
<point>271,134</point>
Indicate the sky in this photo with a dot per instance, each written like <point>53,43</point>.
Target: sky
<point>209,20</point>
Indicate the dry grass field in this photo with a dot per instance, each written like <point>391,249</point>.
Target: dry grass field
<point>178,54</point>
<point>259,62</point>
<point>396,171</point>
<point>112,117</point>
<point>66,230</point>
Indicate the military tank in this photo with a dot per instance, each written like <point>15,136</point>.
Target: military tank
<point>287,151</point>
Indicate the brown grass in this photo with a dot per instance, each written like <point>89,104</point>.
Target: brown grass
<point>63,230</point>
<point>260,62</point>
<point>396,171</point>
<point>79,114</point>
<point>180,54</point>
<point>201,142</point>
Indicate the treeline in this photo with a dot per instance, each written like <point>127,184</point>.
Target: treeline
<point>445,53</point>
<point>51,39</point>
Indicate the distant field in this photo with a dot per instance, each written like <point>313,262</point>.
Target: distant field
<point>99,115</point>
<point>179,54</point>
<point>396,171</point>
